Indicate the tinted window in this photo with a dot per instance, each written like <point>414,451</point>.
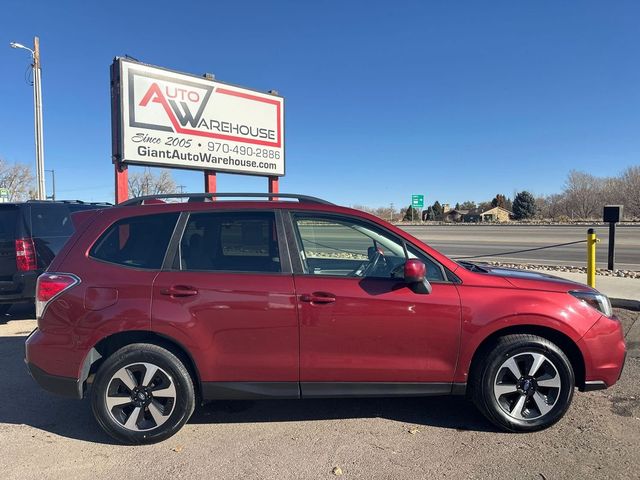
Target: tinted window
<point>50,221</point>
<point>137,241</point>
<point>8,218</point>
<point>230,241</point>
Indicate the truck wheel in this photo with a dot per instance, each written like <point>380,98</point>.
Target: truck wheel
<point>525,383</point>
<point>142,394</point>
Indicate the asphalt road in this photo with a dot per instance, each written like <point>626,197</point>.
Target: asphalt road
<point>473,240</point>
<point>46,437</point>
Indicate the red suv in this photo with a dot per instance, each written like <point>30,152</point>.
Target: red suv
<point>158,305</point>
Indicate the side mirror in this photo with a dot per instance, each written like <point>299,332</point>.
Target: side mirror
<point>415,275</point>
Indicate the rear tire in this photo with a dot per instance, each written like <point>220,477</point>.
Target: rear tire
<point>4,308</point>
<point>523,383</point>
<point>142,394</point>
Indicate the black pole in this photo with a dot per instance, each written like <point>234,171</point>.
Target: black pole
<point>612,244</point>
<point>53,184</point>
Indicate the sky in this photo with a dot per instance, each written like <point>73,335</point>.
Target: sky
<point>453,100</point>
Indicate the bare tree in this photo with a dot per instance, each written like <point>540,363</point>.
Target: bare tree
<point>17,179</point>
<point>147,183</point>
<point>630,189</point>
<point>583,194</point>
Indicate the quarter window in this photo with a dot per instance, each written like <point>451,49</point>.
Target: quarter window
<point>230,241</point>
<point>136,241</point>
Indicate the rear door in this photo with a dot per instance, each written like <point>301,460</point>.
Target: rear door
<point>228,295</point>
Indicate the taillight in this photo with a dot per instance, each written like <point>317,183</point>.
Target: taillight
<point>25,254</point>
<point>49,286</point>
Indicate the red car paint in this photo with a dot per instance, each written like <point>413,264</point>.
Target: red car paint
<point>242,327</point>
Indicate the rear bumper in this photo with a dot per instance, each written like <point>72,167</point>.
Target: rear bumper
<point>41,352</point>
<point>21,288</point>
<point>63,386</point>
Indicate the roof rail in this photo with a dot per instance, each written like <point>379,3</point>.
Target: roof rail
<point>195,197</point>
<point>79,202</point>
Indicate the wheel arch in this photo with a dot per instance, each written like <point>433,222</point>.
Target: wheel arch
<point>566,344</point>
<point>111,343</point>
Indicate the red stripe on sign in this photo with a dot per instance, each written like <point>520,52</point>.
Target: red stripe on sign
<point>159,98</point>
<point>255,98</point>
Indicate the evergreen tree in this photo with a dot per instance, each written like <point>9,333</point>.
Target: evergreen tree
<point>408,214</point>
<point>437,210</point>
<point>524,206</point>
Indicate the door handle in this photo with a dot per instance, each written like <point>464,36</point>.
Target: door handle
<point>318,297</point>
<point>179,291</point>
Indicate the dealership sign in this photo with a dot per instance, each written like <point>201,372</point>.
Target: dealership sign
<point>177,120</point>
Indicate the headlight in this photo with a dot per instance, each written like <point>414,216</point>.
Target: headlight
<point>596,300</point>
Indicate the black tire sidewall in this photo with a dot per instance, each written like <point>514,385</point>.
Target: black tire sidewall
<point>560,362</point>
<point>185,398</point>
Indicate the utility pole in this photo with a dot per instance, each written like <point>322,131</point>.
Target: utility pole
<point>37,114</point>
<point>181,187</point>
<point>37,100</point>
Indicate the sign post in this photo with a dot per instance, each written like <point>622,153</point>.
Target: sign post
<point>612,214</point>
<point>176,120</point>
<point>417,201</point>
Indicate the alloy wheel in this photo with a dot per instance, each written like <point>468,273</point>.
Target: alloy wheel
<point>527,386</point>
<point>140,396</point>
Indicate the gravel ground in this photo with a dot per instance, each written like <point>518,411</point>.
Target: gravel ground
<point>49,437</point>
<point>567,268</point>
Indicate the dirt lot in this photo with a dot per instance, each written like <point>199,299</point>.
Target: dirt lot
<point>42,436</point>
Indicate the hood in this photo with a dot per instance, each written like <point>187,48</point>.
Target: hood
<point>533,280</point>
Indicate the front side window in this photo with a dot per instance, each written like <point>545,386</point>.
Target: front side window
<point>230,241</point>
<point>349,248</point>
<point>139,242</point>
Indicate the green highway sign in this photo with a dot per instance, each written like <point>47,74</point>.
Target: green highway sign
<point>417,201</point>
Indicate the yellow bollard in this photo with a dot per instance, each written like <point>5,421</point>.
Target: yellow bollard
<point>591,257</point>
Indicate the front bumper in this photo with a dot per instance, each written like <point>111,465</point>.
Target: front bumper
<point>604,352</point>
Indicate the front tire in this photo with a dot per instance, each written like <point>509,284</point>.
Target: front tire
<point>525,383</point>
<point>142,394</point>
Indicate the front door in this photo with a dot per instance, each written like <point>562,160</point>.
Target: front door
<point>362,329</point>
<point>230,298</point>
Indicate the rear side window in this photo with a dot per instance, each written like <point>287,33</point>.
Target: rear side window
<point>51,221</point>
<point>8,218</point>
<point>139,242</point>
<point>230,241</point>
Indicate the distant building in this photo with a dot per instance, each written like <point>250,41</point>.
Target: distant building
<point>496,214</point>
<point>473,216</point>
<point>453,215</point>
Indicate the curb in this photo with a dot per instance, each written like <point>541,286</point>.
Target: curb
<point>624,303</point>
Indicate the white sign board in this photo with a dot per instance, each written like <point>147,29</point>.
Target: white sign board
<point>182,121</point>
